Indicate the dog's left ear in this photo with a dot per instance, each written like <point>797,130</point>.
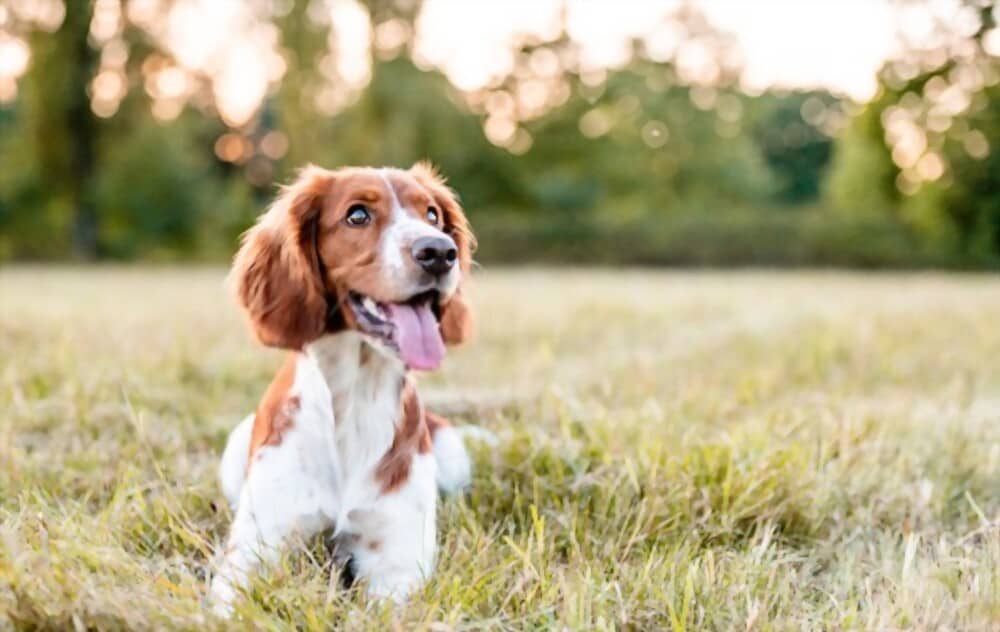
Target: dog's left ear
<point>456,315</point>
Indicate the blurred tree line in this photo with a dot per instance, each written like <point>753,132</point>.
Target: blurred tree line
<point>924,151</point>
<point>102,156</point>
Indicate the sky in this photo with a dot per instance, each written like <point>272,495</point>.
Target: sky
<point>836,44</point>
<point>833,44</point>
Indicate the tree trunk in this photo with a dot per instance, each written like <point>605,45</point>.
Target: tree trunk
<point>81,126</point>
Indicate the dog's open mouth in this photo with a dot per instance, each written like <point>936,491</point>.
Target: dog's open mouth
<point>410,327</point>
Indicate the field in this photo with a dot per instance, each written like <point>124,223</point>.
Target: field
<point>678,450</point>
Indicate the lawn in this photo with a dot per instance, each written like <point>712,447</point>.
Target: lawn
<point>686,450</point>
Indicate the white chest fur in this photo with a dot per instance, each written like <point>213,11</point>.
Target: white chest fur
<point>322,475</point>
<point>363,387</point>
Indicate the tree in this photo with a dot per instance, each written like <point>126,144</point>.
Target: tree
<point>862,176</point>
<point>924,150</point>
<point>796,150</point>
<point>57,115</point>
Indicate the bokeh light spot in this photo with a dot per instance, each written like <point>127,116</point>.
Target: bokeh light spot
<point>655,134</point>
<point>595,123</point>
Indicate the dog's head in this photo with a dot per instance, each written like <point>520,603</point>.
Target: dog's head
<point>380,251</point>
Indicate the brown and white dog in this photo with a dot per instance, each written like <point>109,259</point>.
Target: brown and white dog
<point>359,273</point>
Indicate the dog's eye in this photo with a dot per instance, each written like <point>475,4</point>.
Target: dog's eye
<point>358,215</point>
<point>432,215</point>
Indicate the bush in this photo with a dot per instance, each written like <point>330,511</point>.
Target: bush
<point>773,238</point>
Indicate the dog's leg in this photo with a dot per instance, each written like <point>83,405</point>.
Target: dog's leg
<point>282,497</point>
<point>233,466</point>
<point>454,468</point>
<point>393,543</point>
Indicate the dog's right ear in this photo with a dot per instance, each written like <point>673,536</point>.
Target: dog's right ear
<point>277,273</point>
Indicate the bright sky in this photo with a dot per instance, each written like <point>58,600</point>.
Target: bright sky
<point>836,44</point>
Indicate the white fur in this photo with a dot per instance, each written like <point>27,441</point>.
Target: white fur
<point>322,476</point>
<point>397,239</point>
<point>454,469</point>
<point>233,468</point>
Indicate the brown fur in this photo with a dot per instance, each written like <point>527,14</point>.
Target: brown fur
<point>275,272</point>
<point>412,437</point>
<point>435,422</point>
<point>275,411</point>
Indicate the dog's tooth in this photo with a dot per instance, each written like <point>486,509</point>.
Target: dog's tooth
<point>370,305</point>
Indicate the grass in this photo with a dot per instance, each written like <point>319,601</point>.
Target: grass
<point>682,451</point>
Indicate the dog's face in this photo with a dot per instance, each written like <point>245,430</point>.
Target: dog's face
<point>380,251</point>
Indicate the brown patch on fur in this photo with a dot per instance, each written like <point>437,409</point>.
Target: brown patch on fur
<point>412,437</point>
<point>276,410</point>
<point>375,545</point>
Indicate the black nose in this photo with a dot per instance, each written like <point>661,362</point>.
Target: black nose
<point>435,254</point>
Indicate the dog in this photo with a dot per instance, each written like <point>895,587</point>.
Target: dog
<point>359,273</point>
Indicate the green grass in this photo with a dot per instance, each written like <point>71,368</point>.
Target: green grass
<point>678,450</point>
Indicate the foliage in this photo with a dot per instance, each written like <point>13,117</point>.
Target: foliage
<point>925,150</point>
<point>634,164</point>
<point>862,179</point>
<point>166,217</point>
<point>969,197</point>
<point>747,237</point>
<point>795,149</point>
<point>659,153</point>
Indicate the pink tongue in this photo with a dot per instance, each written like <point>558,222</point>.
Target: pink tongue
<point>420,341</point>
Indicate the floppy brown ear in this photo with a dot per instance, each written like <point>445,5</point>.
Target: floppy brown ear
<point>276,272</point>
<point>457,323</point>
